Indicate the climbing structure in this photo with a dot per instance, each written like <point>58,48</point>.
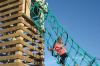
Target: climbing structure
<point>76,55</point>
<point>21,44</point>
<point>23,24</point>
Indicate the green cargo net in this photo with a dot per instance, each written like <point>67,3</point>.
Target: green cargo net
<point>40,13</point>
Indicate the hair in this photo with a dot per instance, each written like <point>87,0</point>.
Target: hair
<point>59,40</point>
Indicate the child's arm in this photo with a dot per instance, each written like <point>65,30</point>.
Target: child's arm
<point>53,46</point>
<point>50,49</point>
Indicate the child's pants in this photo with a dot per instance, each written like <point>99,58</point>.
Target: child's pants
<point>63,56</point>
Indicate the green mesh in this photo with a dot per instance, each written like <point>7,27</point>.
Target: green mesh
<point>76,55</point>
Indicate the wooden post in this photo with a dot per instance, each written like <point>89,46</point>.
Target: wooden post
<point>23,6</point>
<point>42,56</point>
<point>28,8</point>
<point>14,19</point>
<point>19,45</point>
<point>20,31</point>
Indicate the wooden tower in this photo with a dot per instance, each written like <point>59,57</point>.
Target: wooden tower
<point>20,42</point>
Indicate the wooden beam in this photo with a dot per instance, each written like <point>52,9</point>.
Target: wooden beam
<point>9,43</point>
<point>27,7</point>
<point>10,6</point>
<point>29,60</point>
<point>19,57</point>
<point>30,39</point>
<point>16,64</point>
<point>29,20</point>
<point>23,6</point>
<point>32,34</point>
<point>10,36</point>
<point>11,11</point>
<point>31,27</point>
<point>23,43</point>
<point>36,56</point>
<point>10,17</point>
<point>10,49</point>
<point>6,2</point>
<point>12,64</point>
<point>18,21</point>
<point>17,15</point>
<point>10,29</point>
<point>21,27</point>
<point>9,57</point>
<point>10,23</point>
<point>31,47</point>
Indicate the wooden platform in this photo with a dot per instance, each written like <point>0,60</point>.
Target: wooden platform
<point>20,42</point>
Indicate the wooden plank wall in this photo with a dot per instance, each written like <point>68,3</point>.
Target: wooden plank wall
<point>20,42</point>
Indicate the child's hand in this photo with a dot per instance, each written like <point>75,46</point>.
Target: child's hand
<point>50,49</point>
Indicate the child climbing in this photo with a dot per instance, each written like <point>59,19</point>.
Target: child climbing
<point>61,50</point>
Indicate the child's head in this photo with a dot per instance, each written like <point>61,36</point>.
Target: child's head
<point>59,40</point>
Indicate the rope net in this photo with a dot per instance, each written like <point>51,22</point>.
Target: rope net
<point>40,13</point>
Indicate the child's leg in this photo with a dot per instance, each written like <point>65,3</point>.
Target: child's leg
<point>62,60</point>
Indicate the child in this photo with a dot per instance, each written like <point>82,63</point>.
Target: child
<point>61,50</point>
